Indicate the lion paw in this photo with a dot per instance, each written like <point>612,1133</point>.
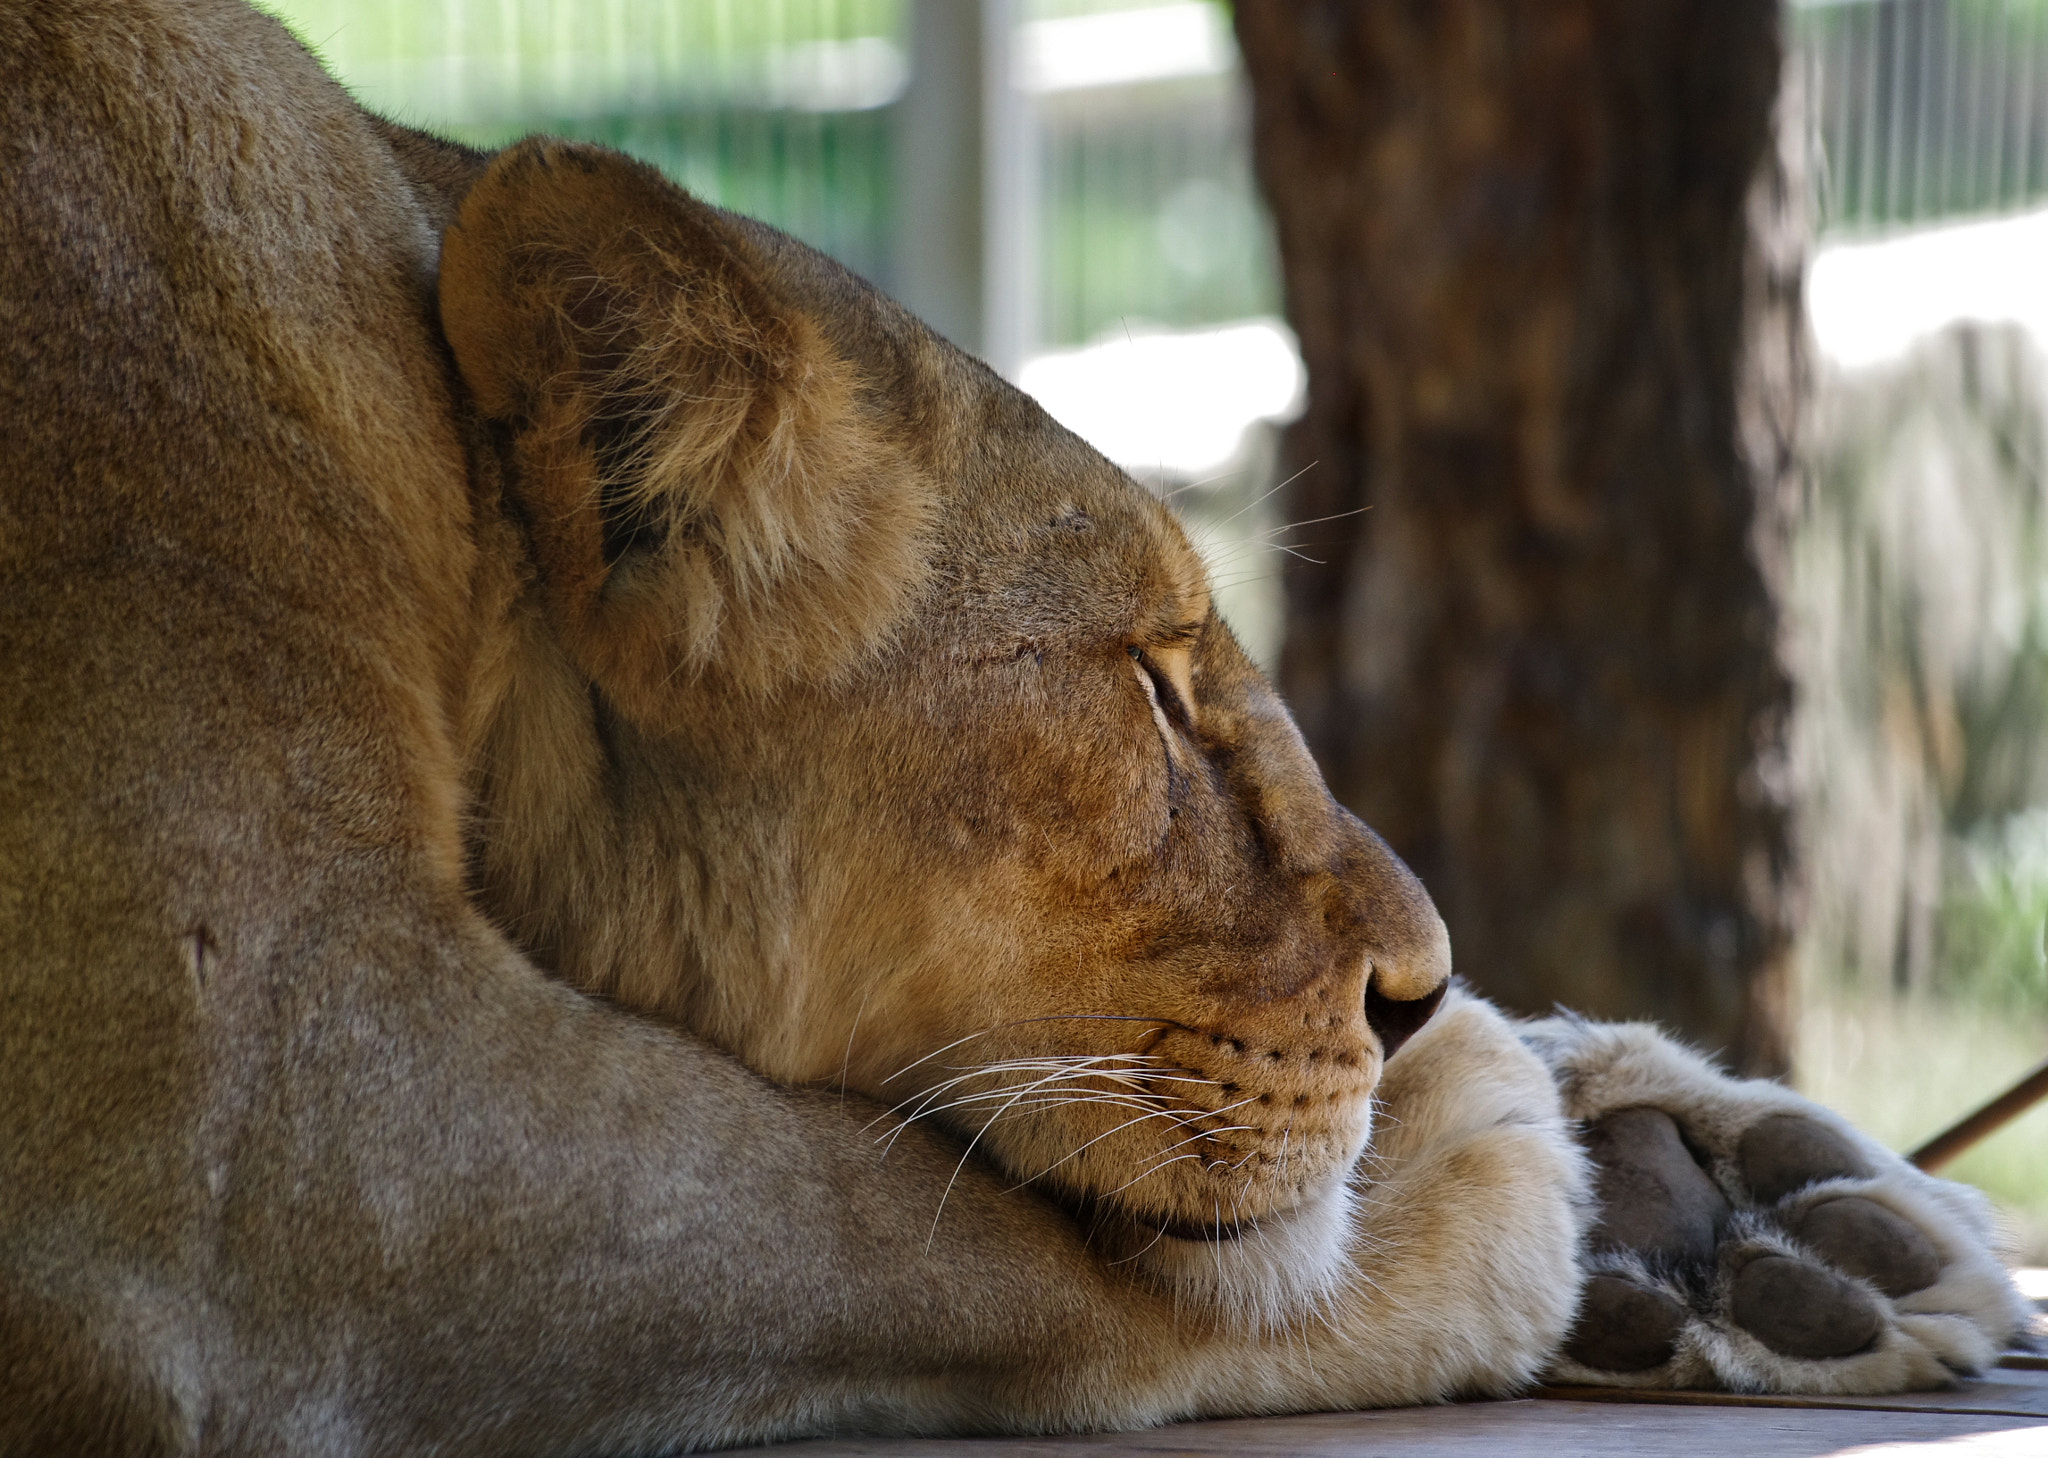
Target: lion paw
<point>1746,1238</point>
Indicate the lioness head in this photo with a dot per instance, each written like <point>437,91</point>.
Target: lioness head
<point>857,717</point>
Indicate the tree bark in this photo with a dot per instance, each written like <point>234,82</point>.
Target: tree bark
<point>1543,258</point>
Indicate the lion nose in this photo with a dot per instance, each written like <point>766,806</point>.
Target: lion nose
<point>1396,1020</point>
<point>1408,955</point>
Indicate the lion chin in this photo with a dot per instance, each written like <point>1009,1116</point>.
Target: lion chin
<point>1264,1274</point>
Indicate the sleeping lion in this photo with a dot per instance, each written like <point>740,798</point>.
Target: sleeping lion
<point>606,846</point>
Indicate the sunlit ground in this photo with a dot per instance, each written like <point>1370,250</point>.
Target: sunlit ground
<point>1905,1070</point>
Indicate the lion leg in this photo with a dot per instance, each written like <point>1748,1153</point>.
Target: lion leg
<point>1748,1238</point>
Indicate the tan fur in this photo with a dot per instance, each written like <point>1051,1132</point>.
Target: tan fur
<point>445,599</point>
<point>584,305</point>
<point>651,603</point>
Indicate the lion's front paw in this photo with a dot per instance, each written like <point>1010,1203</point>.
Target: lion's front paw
<point>1749,1239</point>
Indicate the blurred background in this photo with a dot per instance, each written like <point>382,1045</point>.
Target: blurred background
<point>1835,368</point>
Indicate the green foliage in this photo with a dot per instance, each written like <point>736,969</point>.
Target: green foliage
<point>1995,917</point>
<point>1150,213</point>
<point>1926,108</point>
<point>675,36</point>
<point>778,109</point>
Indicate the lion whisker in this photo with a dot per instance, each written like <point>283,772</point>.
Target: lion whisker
<point>1104,1065</point>
<point>934,1104</point>
<point>888,1140</point>
<point>1199,1134</point>
<point>1183,1119</point>
<point>933,1233</point>
<point>1295,526</point>
<point>1157,1236</point>
<point>926,1095</point>
<point>1204,481</point>
<point>846,1063</point>
<point>969,1101</point>
<point>1056,1102</point>
<point>1147,1174</point>
<point>1270,491</point>
<point>985,1032</point>
<point>1063,1066</point>
<point>1025,1022</point>
<point>1083,1148</point>
<point>1058,1068</point>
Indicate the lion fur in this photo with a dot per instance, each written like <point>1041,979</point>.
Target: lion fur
<point>432,680</point>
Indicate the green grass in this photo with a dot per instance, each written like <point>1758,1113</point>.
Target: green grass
<point>1905,1069</point>
<point>1994,914</point>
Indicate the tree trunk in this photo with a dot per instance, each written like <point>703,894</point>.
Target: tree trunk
<point>1543,259</point>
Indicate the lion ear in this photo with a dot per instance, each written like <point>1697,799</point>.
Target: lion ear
<point>705,493</point>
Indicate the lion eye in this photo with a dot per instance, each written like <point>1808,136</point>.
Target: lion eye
<point>1166,702</point>
<point>1168,715</point>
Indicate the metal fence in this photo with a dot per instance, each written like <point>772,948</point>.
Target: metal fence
<point>786,110</point>
<point>776,108</point>
<point>1926,109</point>
<point>1145,212</point>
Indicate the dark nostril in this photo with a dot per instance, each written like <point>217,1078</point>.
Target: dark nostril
<point>1397,1021</point>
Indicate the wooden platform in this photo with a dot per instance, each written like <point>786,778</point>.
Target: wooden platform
<point>2003,1416</point>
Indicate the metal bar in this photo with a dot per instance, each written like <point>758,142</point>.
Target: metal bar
<point>940,257</point>
<point>966,256</point>
<point>1010,197</point>
<point>2024,115</point>
<point>1866,25</point>
<point>1974,1128</point>
<point>1926,108</point>
<point>1900,57</point>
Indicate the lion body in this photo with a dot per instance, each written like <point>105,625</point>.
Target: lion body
<point>401,643</point>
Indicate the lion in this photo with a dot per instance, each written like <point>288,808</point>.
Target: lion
<point>609,846</point>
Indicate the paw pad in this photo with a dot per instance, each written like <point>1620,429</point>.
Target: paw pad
<point>1654,1197</point>
<point>1747,1239</point>
<point>1800,1309</point>
<point>1624,1327</point>
<point>1788,1152</point>
<point>1863,1238</point>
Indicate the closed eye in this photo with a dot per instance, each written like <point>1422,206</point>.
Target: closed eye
<point>1168,712</point>
<point>1165,699</point>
